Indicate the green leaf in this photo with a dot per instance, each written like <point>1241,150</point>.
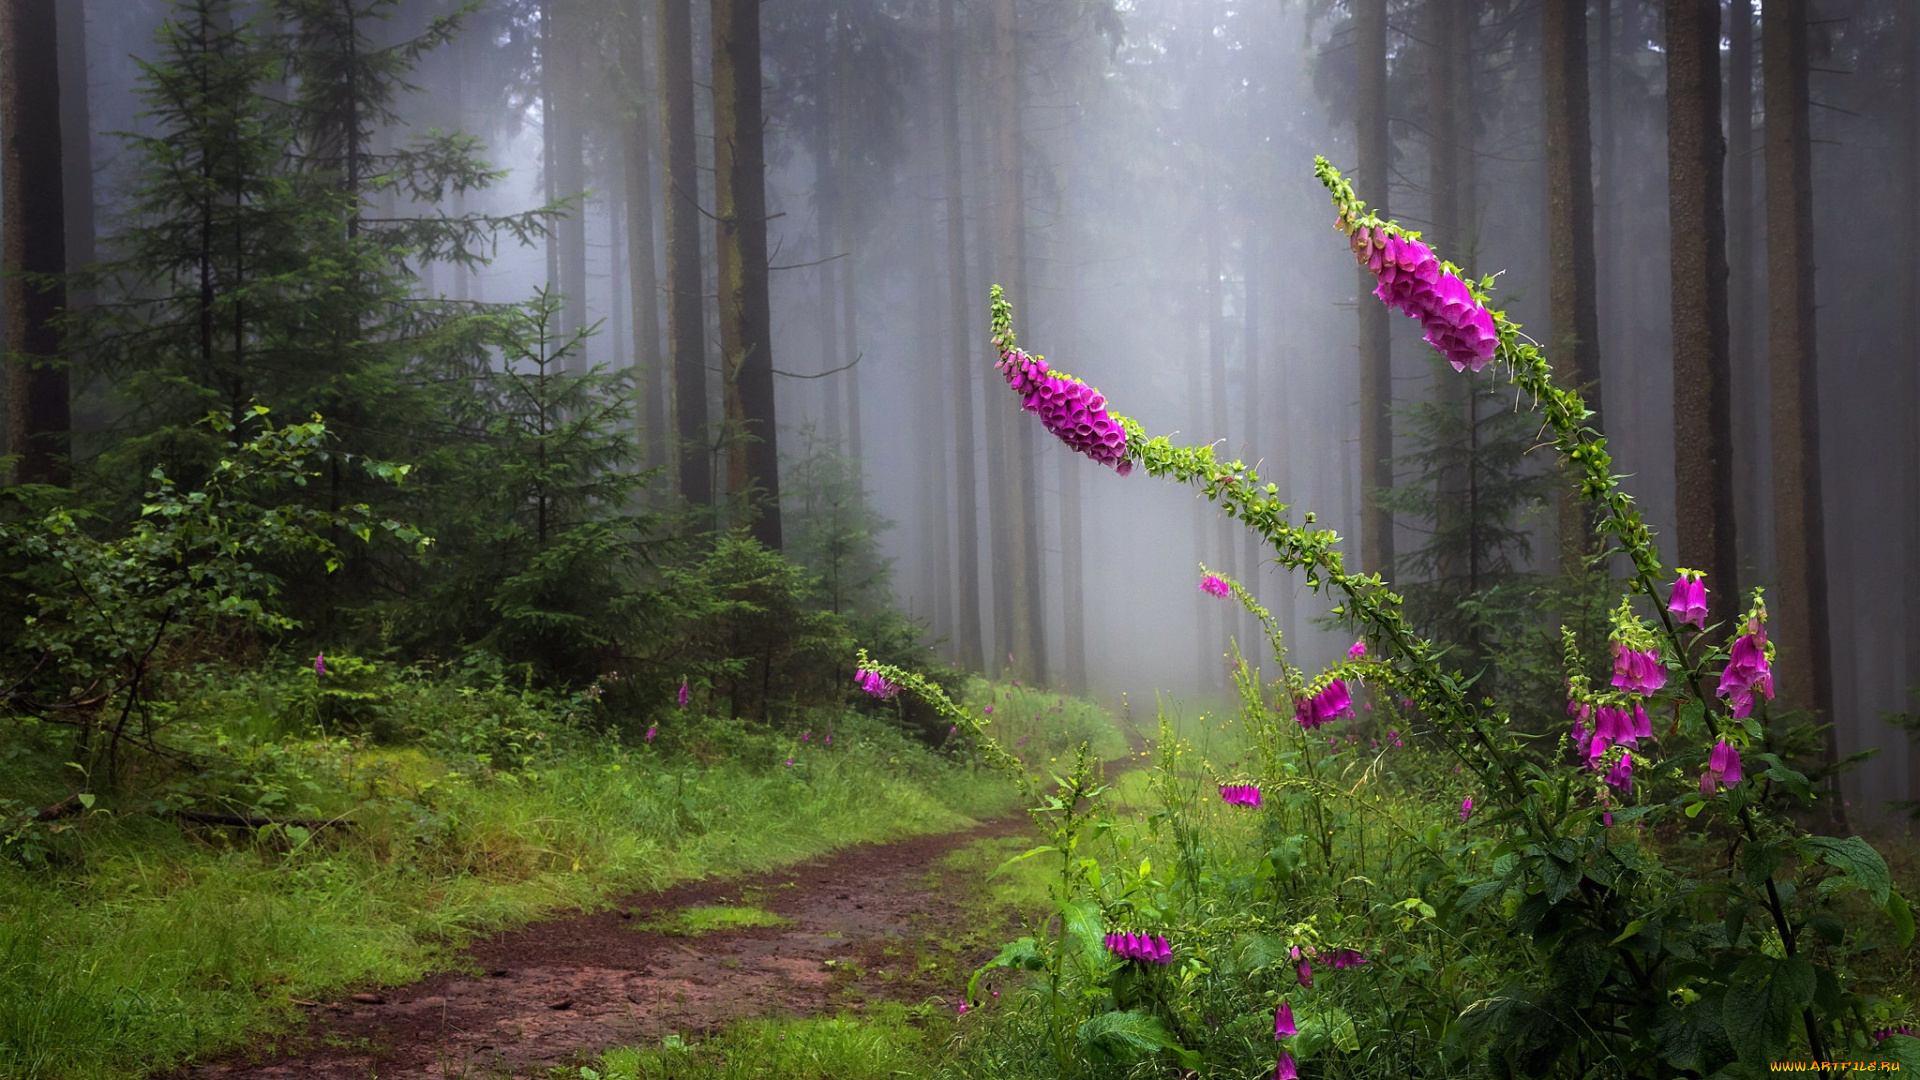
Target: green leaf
<point>1763,1003</point>
<point>86,801</point>
<point>1027,854</point>
<point>1758,863</point>
<point>1902,917</point>
<point>1633,928</point>
<point>1855,858</point>
<point>1126,1036</point>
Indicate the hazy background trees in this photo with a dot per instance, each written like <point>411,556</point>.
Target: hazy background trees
<point>1671,190</point>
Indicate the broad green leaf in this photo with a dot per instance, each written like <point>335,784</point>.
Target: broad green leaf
<point>1855,858</point>
<point>1125,1036</point>
<point>1027,854</point>
<point>1902,917</point>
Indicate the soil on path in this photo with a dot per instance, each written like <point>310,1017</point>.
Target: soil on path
<point>555,991</point>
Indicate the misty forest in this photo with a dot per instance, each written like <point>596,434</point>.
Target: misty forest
<point>555,539</point>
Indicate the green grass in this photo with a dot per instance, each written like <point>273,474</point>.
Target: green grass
<point>144,945</point>
<point>694,921</point>
<point>884,1042</point>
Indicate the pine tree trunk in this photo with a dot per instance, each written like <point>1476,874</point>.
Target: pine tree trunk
<point>568,167</point>
<point>1376,355</point>
<point>831,256</point>
<point>1748,378</point>
<point>643,279</point>
<point>1010,250</point>
<point>1216,426</point>
<point>931,440</point>
<point>686,313</point>
<point>967,624</point>
<point>997,418</point>
<point>1702,392</point>
<point>1800,613</point>
<point>33,219</point>
<point>1573,311</point>
<point>1604,217</point>
<point>1072,552</point>
<point>746,331</point>
<point>1910,90</point>
<point>1448,131</point>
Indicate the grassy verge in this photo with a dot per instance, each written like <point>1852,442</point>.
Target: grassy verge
<point>135,942</point>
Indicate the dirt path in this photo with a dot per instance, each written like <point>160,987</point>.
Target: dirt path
<point>552,991</point>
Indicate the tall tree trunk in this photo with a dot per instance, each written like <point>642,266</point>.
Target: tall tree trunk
<point>1749,382</point>
<point>76,131</point>
<point>1910,34</point>
<point>643,279</point>
<point>1446,156</point>
<point>1073,588</point>
<point>33,219</point>
<point>1604,241</point>
<point>1376,355</point>
<point>1216,425</point>
<point>831,255</point>
<point>686,313</point>
<point>1702,394</point>
<point>1800,612</point>
<point>1573,310</point>
<point>746,317</point>
<point>967,628</point>
<point>935,522</point>
<point>568,164</point>
<point>998,418</point>
<point>1010,249</point>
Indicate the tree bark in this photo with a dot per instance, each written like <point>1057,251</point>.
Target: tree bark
<point>1702,372</point>
<point>967,626</point>
<point>740,204</point>
<point>568,163</point>
<point>1800,611</point>
<point>1010,250</point>
<point>1376,355</point>
<point>1448,133</point>
<point>1910,33</point>
<point>33,219</point>
<point>686,313</point>
<point>1573,307</point>
<point>1073,589</point>
<point>996,419</point>
<point>932,441</point>
<point>831,255</point>
<point>643,279</point>
<point>1603,154</point>
<point>1748,381</point>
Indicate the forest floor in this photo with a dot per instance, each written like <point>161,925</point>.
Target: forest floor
<point>873,922</point>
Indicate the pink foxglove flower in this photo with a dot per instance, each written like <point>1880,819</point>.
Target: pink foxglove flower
<point>1723,768</point>
<point>1283,1026</point>
<point>875,683</point>
<point>1638,671</point>
<point>1240,794</point>
<point>1149,948</point>
<point>319,663</point>
<point>1074,412</point>
<point>652,730</point>
<point>1747,671</point>
<point>1305,971</point>
<point>683,697</point>
<point>1688,601</point>
<point>1413,281</point>
<point>1889,1032</point>
<point>1286,1069</point>
<point>1357,650</point>
<point>1466,808</point>
<point>1215,585</point>
<point>1346,958</point>
<point>1621,775</point>
<point>1331,703</point>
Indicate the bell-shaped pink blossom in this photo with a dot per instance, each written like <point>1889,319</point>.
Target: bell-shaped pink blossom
<point>1074,412</point>
<point>1331,703</point>
<point>1214,585</point>
<point>875,683</point>
<point>683,696</point>
<point>1688,601</point>
<point>1286,1069</point>
<point>1466,808</point>
<point>1638,671</point>
<point>1747,672</point>
<point>1621,775</point>
<point>1283,1026</point>
<point>1723,768</point>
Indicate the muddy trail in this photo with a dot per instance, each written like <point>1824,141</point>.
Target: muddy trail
<point>555,992</point>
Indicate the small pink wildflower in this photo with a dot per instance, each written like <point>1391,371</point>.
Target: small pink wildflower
<point>1466,808</point>
<point>319,663</point>
<point>1214,585</point>
<point>1357,650</point>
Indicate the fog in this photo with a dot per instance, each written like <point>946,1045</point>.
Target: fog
<point>1180,255</point>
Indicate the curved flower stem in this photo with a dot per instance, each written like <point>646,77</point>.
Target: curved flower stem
<point>1566,412</point>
